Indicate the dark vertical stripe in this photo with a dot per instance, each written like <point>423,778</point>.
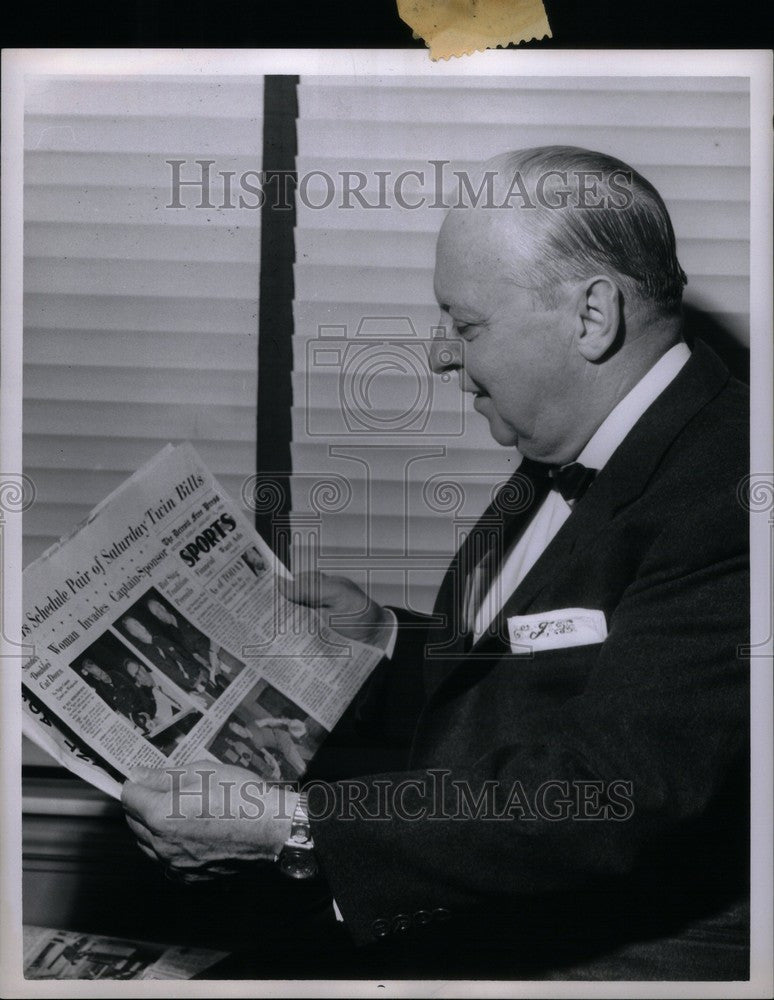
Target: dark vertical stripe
<point>275,317</point>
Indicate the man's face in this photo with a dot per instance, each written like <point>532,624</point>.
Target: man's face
<point>139,673</point>
<point>137,630</point>
<point>160,612</point>
<point>513,354</point>
<point>91,668</point>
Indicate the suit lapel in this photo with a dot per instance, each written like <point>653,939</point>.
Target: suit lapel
<point>502,521</point>
<point>619,483</point>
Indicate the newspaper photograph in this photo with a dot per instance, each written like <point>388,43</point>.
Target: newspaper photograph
<point>159,636</point>
<point>61,954</point>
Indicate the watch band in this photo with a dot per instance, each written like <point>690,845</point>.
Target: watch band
<point>297,858</point>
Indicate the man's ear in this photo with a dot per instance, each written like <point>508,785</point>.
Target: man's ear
<point>599,316</point>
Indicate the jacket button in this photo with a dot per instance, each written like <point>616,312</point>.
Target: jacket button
<point>441,913</point>
<point>380,928</point>
<point>422,917</point>
<point>400,922</point>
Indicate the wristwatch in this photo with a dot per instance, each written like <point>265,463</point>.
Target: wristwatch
<point>297,858</point>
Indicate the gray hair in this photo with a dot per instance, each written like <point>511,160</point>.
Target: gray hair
<point>585,213</point>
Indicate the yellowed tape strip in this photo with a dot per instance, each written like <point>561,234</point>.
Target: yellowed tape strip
<point>460,27</point>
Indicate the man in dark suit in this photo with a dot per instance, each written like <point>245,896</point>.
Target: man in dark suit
<point>169,655</point>
<point>550,774</point>
<point>118,690</point>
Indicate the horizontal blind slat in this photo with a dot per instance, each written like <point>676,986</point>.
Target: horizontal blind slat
<point>173,136</point>
<point>148,278</point>
<point>152,314</point>
<point>152,421</point>
<point>173,350</point>
<point>141,242</point>
<point>143,172</point>
<point>123,456</point>
<point>138,385</point>
<point>166,96</point>
<point>683,146</point>
<point>516,106</point>
<point>110,205</point>
<point>597,84</point>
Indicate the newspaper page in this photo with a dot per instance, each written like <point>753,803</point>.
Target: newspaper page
<point>159,637</point>
<point>59,954</point>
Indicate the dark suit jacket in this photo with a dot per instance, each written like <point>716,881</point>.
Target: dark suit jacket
<point>659,544</point>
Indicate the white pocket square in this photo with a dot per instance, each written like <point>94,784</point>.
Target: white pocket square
<point>556,629</point>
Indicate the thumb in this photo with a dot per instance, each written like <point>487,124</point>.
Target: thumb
<point>304,588</point>
<point>155,778</point>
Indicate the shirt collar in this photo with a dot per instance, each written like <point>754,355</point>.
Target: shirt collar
<point>628,411</point>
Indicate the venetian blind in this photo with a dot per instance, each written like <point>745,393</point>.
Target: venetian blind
<point>140,319</point>
<point>399,493</point>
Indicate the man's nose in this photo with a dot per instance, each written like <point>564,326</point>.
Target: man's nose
<point>445,354</point>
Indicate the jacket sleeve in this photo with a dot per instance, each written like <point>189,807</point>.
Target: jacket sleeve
<point>665,710</point>
<point>376,730</point>
<point>390,702</point>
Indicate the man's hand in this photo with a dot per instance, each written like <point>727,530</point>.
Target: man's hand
<point>342,605</point>
<point>205,819</point>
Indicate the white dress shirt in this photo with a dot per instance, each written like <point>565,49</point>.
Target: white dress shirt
<point>555,510</point>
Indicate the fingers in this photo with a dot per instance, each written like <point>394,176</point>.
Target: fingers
<point>145,805</point>
<point>319,590</point>
<point>157,848</point>
<point>150,777</point>
<point>149,852</point>
<point>157,851</point>
<point>145,839</point>
<point>304,588</point>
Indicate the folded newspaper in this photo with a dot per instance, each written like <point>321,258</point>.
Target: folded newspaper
<point>158,636</point>
<point>58,954</point>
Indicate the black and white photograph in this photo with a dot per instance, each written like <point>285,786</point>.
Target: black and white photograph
<point>268,734</point>
<point>128,685</point>
<point>482,348</point>
<point>193,662</point>
<point>254,561</point>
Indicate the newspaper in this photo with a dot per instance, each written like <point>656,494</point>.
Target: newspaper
<point>159,637</point>
<point>58,954</point>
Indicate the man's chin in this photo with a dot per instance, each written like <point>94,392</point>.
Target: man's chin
<point>504,436</point>
<point>501,432</point>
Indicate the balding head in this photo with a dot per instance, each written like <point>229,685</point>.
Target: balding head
<point>563,213</point>
<point>554,308</point>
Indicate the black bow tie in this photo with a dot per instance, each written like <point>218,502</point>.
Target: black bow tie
<point>572,480</point>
